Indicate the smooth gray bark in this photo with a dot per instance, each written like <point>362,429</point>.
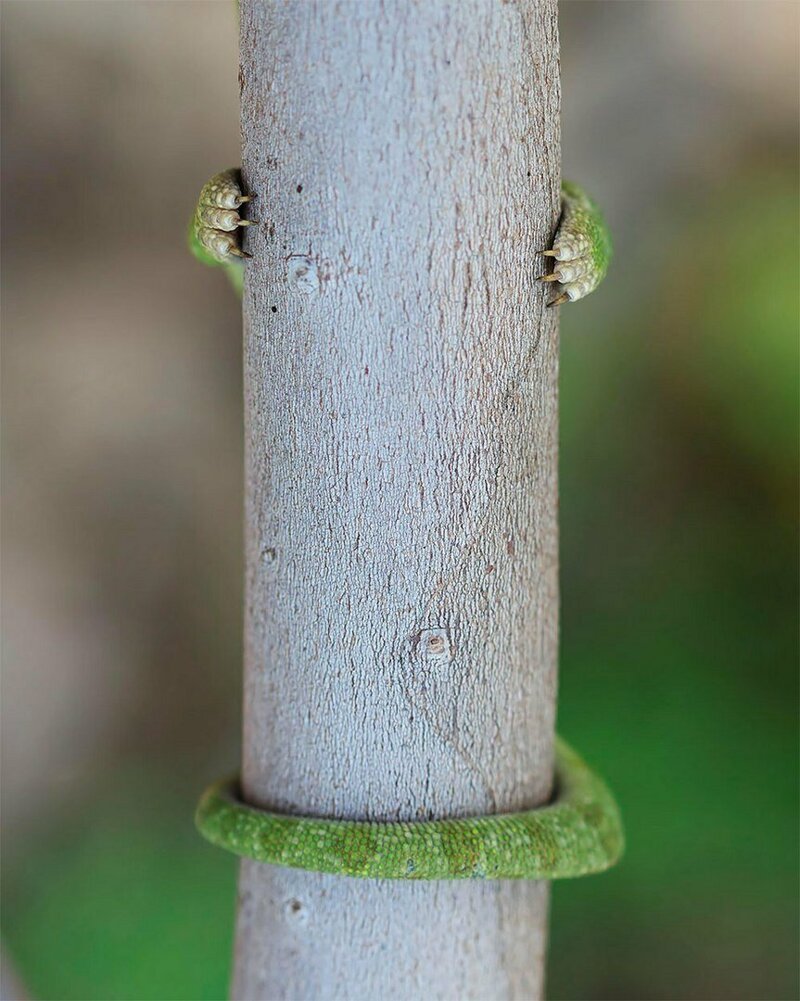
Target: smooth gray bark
<point>401,474</point>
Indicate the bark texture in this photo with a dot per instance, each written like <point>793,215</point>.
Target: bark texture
<point>401,479</point>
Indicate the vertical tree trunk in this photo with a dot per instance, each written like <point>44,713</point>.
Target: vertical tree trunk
<point>401,482</point>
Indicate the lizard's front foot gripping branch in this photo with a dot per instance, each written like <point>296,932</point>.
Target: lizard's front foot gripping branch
<point>214,231</point>
<point>579,832</point>
<point>581,246</point>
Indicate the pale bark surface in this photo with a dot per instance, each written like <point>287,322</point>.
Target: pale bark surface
<point>401,482</point>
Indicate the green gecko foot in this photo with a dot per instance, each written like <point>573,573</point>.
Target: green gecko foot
<point>581,246</point>
<point>214,233</point>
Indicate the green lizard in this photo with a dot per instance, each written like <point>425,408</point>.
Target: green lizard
<point>580,831</point>
<point>581,246</point>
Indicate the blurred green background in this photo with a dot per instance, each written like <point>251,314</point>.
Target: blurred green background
<point>122,499</point>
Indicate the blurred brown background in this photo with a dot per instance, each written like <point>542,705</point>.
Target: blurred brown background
<point>121,548</point>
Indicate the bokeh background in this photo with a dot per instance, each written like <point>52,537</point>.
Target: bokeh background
<point>122,500</point>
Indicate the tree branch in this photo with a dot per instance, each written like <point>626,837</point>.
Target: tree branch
<point>401,481</point>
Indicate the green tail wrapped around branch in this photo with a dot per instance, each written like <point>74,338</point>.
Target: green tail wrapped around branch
<point>578,833</point>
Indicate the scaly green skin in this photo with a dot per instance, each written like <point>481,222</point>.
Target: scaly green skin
<point>579,833</point>
<point>214,229</point>
<point>581,246</point>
